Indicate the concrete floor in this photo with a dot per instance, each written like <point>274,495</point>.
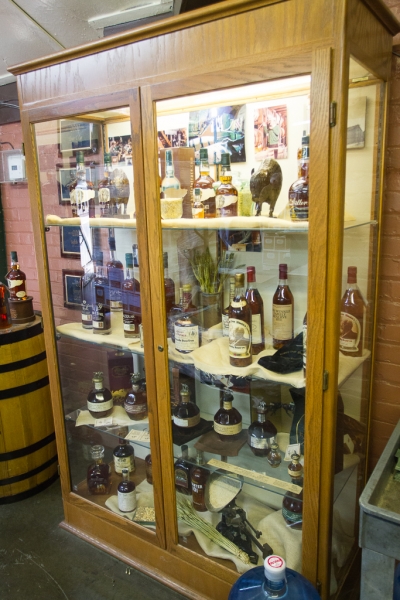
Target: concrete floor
<point>40,561</point>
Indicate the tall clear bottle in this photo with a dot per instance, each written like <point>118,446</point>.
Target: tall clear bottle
<point>170,181</point>
<point>87,296</point>
<point>227,195</point>
<point>101,302</point>
<point>352,317</point>
<point>225,312</point>
<point>282,311</point>
<point>115,273</point>
<point>256,304</point>
<point>239,326</point>
<point>131,306</point>
<point>106,188</point>
<point>205,183</point>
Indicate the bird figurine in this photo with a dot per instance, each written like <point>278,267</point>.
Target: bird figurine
<point>266,184</point>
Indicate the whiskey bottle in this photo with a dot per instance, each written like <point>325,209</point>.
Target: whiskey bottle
<point>124,457</point>
<point>87,296</point>
<point>81,191</point>
<point>182,469</point>
<point>99,399</point>
<point>187,304</point>
<point>170,181</point>
<point>135,402</point>
<point>197,206</point>
<point>199,477</point>
<point>282,311</point>
<point>106,188</point>
<point>292,507</point>
<point>352,317</point>
<point>16,279</point>
<point>131,305</point>
<point>101,314</point>
<point>274,457</point>
<point>186,334</point>
<point>5,318</point>
<point>295,468</point>
<point>187,414</point>
<point>298,191</point>
<point>98,473</point>
<point>205,183</point>
<point>149,469</point>
<point>120,193</point>
<point>225,312</point>
<point>261,432</point>
<point>254,300</point>
<point>227,195</point>
<point>169,286</point>
<point>227,420</point>
<point>115,273</point>
<point>239,326</point>
<point>126,493</point>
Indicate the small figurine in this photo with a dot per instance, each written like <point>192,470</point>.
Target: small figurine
<point>266,184</point>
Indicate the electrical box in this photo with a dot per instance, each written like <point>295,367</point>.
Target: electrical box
<point>12,166</point>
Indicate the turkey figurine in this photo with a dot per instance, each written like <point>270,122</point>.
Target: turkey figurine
<point>266,185</point>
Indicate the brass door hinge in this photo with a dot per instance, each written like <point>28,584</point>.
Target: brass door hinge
<point>325,381</point>
<point>332,114</point>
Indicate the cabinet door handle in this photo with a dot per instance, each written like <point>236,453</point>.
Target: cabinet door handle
<point>161,348</point>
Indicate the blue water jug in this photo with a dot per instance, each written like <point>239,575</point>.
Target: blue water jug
<point>273,580</point>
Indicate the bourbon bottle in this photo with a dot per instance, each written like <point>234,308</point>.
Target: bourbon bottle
<point>126,493</point>
<point>197,206</point>
<point>135,402</point>
<point>169,286</point>
<point>131,305</point>
<point>274,457</point>
<point>124,457</point>
<point>261,432</point>
<point>182,467</point>
<point>225,312</point>
<point>254,300</point>
<point>227,420</point>
<point>81,191</point>
<point>352,317</point>
<point>292,507</point>
<point>98,473</point>
<point>115,273</point>
<point>295,468</point>
<point>199,477</point>
<point>239,326</point>
<point>16,279</point>
<point>282,311</point>
<point>205,183</point>
<point>186,334</point>
<point>298,191</point>
<point>227,195</point>
<point>186,414</point>
<point>101,315</point>
<point>99,399</point>
<point>106,188</point>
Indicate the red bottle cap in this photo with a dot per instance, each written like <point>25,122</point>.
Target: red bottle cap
<point>251,274</point>
<point>282,271</point>
<point>352,275</point>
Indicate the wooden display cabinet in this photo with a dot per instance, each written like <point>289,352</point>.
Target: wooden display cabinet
<point>247,78</point>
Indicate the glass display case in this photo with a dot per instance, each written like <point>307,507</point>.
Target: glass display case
<point>210,244</point>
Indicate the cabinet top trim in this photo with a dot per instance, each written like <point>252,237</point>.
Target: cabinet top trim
<point>384,15</point>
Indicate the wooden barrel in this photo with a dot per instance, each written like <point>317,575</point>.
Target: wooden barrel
<point>28,456</point>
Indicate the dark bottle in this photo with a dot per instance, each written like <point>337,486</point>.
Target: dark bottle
<point>98,473</point>
<point>81,191</point>
<point>261,432</point>
<point>135,402</point>
<point>182,468</point>
<point>225,312</point>
<point>205,183</point>
<point>101,316</point>
<point>199,477</point>
<point>149,469</point>
<point>282,311</point>
<point>124,457</point>
<point>16,279</point>
<point>239,326</point>
<point>186,334</point>
<point>274,457</point>
<point>126,493</point>
<point>131,305</point>
<point>254,300</point>
<point>5,318</point>
<point>99,400</point>
<point>292,507</point>
<point>169,286</point>
<point>87,296</point>
<point>295,468</point>
<point>105,188</point>
<point>298,191</point>
<point>187,414</point>
<point>187,304</point>
<point>227,420</point>
<point>227,195</point>
<point>115,274</point>
<point>352,315</point>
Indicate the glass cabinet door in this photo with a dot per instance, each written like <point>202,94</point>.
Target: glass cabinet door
<point>233,174</point>
<point>88,203</point>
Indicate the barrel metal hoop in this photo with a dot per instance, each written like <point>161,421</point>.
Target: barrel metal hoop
<point>28,493</point>
<point>28,474</point>
<point>22,364</point>
<point>21,390</point>
<point>28,449</point>
<point>19,336</point>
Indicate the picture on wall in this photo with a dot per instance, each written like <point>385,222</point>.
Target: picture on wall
<point>120,148</point>
<point>220,130</point>
<point>270,132</point>
<point>172,138</point>
<point>357,109</point>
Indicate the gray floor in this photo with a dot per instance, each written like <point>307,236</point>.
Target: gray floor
<point>40,561</point>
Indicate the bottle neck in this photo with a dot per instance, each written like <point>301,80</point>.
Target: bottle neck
<point>125,476</point>
<point>275,589</point>
<point>226,175</point>
<point>204,168</point>
<point>227,404</point>
<point>239,292</point>
<point>169,169</point>
<point>112,254</point>
<point>98,385</point>
<point>129,272</point>
<point>261,418</point>
<point>282,282</point>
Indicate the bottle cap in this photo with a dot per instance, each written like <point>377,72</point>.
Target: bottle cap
<point>226,159</point>
<point>251,274</point>
<point>282,271</point>
<point>14,256</point>
<point>98,377</point>
<point>203,154</point>
<point>275,568</point>
<point>239,279</point>
<point>135,377</point>
<point>352,275</point>
<point>185,392</point>
<point>262,407</point>
<point>295,457</point>
<point>129,260</point>
<point>227,396</point>
<point>97,451</point>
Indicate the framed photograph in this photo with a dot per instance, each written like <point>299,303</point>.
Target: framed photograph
<point>72,287</point>
<point>65,176</point>
<point>75,135</point>
<point>357,110</point>
<point>70,242</point>
<point>270,132</point>
<point>120,148</point>
<point>172,138</point>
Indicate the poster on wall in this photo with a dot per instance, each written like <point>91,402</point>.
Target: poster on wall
<point>220,130</point>
<point>172,138</point>
<point>120,148</point>
<point>357,110</point>
<point>270,132</point>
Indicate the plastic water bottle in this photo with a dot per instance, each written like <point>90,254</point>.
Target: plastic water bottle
<point>273,580</point>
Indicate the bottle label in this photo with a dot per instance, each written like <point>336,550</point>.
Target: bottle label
<point>12,283</point>
<point>124,462</point>
<point>260,443</point>
<point>350,333</point>
<point>239,339</point>
<point>238,303</point>
<point>127,501</point>
<point>135,409</point>
<point>224,201</point>
<point>197,488</point>
<point>282,319</point>
<point>115,277</point>
<point>225,325</point>
<point>181,478</point>
<point>189,422</point>
<point>207,194</point>
<point>256,333</point>
<point>100,406</point>
<point>291,517</point>
<point>104,195</point>
<point>86,311</point>
<point>294,474</point>
<point>133,327</point>
<point>227,429</point>
<point>186,337</point>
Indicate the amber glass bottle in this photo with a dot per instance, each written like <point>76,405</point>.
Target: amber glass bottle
<point>295,468</point>
<point>298,191</point>
<point>205,183</point>
<point>261,432</point>
<point>352,317</point>
<point>187,414</point>
<point>131,305</point>
<point>124,457</point>
<point>239,326</point>
<point>199,477</point>
<point>182,468</point>
<point>135,402</point>
<point>126,493</point>
<point>227,420</point>
<point>98,473</point>
<point>254,300</point>
<point>292,507</point>
<point>16,279</point>
<point>99,399</point>
<point>274,457</point>
<point>227,195</point>
<point>282,311</point>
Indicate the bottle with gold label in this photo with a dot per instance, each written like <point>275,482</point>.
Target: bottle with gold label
<point>295,468</point>
<point>239,326</point>
<point>274,457</point>
<point>299,190</point>
<point>186,414</point>
<point>255,301</point>
<point>351,340</point>
<point>16,279</point>
<point>99,399</point>
<point>126,493</point>
<point>227,195</point>
<point>282,311</point>
<point>227,420</point>
<point>124,457</point>
<point>199,477</point>
<point>205,184</point>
